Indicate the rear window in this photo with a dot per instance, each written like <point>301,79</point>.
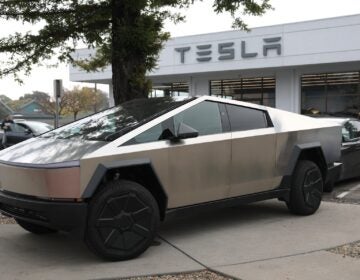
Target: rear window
<point>243,118</point>
<point>204,117</point>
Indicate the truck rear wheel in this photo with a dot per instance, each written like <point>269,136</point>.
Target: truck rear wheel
<point>306,189</point>
<point>122,221</point>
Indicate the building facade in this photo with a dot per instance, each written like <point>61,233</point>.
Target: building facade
<point>34,111</point>
<point>305,67</point>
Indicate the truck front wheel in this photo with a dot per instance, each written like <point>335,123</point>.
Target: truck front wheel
<point>122,221</point>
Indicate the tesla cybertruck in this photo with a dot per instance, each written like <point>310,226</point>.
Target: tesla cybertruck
<point>113,176</point>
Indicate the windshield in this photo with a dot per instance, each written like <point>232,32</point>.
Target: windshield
<point>115,122</point>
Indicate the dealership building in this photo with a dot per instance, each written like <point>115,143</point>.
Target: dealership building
<point>303,67</point>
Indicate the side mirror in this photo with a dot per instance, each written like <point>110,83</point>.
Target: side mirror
<point>184,132</point>
<point>28,131</point>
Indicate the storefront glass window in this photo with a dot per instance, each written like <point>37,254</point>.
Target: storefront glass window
<point>335,94</point>
<point>255,90</point>
<point>170,89</point>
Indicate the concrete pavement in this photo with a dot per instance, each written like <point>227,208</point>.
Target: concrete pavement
<point>27,256</point>
<point>258,241</point>
<point>319,265</point>
<point>346,191</point>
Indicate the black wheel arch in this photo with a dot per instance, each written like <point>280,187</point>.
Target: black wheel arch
<point>140,171</point>
<point>310,151</point>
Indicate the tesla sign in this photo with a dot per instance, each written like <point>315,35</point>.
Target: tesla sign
<point>226,51</point>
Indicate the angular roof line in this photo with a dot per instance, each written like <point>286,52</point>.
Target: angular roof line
<point>28,103</point>
<point>6,106</point>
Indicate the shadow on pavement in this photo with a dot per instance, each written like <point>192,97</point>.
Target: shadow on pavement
<point>198,222</point>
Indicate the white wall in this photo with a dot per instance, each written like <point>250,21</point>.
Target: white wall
<point>199,86</point>
<point>306,43</point>
<point>331,40</point>
<point>319,46</point>
<point>288,90</point>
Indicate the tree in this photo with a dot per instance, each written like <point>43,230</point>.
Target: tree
<point>83,100</point>
<point>36,95</point>
<point>128,34</point>
<point>99,100</point>
<point>73,101</point>
<point>41,97</point>
<point>93,100</point>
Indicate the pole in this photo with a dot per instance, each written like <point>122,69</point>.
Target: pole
<point>95,105</point>
<point>57,112</point>
<point>58,90</point>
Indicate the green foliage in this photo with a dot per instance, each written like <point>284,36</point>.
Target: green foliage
<point>41,97</point>
<point>244,7</point>
<point>83,100</point>
<point>128,34</point>
<point>86,100</point>
<point>17,104</point>
<point>38,96</point>
<point>65,23</point>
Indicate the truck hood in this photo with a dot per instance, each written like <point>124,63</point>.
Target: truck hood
<point>46,150</point>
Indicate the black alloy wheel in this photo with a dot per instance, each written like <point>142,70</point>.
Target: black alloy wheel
<point>307,188</point>
<point>122,222</point>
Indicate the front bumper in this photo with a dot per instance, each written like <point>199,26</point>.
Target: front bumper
<point>59,215</point>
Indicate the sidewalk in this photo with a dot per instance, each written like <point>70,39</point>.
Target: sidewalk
<point>258,241</point>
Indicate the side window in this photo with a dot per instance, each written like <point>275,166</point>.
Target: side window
<point>151,135</point>
<point>355,128</point>
<point>243,118</point>
<point>204,117</point>
<point>17,128</point>
<point>22,126</point>
<point>351,131</point>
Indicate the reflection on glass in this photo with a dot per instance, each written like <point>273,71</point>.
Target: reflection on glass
<point>351,131</point>
<point>115,122</point>
<point>332,94</point>
<point>259,90</point>
<point>170,89</point>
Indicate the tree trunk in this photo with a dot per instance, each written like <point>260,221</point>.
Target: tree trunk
<point>128,69</point>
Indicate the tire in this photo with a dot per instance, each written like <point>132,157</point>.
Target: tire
<point>33,228</point>
<point>122,221</point>
<point>306,190</point>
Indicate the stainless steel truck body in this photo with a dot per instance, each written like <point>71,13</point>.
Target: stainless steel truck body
<point>113,175</point>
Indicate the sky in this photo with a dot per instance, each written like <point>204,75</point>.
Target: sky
<point>199,19</point>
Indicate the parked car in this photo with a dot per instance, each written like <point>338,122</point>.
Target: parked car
<point>111,177</point>
<point>350,146</point>
<point>22,130</point>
